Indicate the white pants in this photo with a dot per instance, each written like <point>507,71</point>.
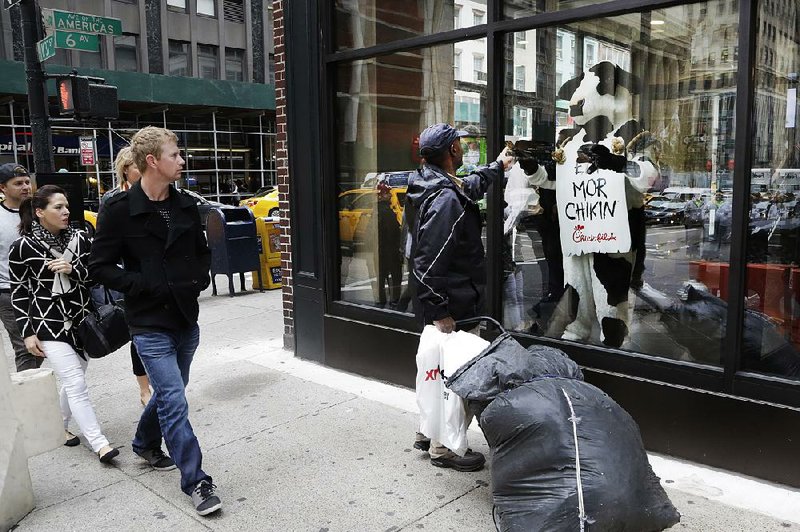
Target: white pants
<point>70,369</point>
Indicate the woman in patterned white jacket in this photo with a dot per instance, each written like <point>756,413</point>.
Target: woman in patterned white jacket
<point>50,296</point>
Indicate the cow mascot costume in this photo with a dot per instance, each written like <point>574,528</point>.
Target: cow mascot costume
<point>603,169</point>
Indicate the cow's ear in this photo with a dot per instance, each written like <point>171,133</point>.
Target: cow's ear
<point>626,79</point>
<point>568,89</point>
<point>606,73</point>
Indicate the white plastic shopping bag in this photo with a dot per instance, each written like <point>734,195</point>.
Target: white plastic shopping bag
<point>442,413</point>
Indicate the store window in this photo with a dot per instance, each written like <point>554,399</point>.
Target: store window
<point>382,105</point>
<point>771,339</point>
<point>362,23</point>
<point>126,57</point>
<point>208,61</point>
<point>638,264</point>
<point>180,62</point>
<point>234,64</point>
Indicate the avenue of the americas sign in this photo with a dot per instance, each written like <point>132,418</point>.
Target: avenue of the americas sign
<point>81,22</point>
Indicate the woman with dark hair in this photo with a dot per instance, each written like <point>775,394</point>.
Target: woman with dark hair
<point>50,296</point>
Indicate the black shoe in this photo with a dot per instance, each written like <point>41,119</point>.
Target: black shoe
<point>107,456</point>
<point>423,445</point>
<point>471,461</point>
<point>157,459</point>
<point>70,440</point>
<point>205,502</point>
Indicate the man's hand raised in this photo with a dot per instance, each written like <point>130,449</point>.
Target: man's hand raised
<point>445,325</point>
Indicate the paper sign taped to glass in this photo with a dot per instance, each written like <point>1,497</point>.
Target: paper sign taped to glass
<point>592,210</point>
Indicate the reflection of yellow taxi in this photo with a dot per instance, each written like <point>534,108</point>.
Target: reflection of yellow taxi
<point>355,211</point>
<point>262,205</point>
<point>90,222</point>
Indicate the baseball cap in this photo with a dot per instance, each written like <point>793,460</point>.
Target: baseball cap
<point>9,171</point>
<point>438,137</point>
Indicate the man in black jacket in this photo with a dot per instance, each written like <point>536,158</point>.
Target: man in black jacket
<point>449,269</point>
<point>154,230</point>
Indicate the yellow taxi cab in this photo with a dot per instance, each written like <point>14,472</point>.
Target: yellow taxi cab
<point>355,211</point>
<point>264,203</point>
<point>90,222</point>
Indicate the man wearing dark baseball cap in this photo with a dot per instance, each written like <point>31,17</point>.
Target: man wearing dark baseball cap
<point>15,184</point>
<point>447,257</point>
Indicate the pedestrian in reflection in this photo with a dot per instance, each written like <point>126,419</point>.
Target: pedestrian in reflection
<point>447,254</point>
<point>154,230</point>
<point>127,175</point>
<point>390,261</point>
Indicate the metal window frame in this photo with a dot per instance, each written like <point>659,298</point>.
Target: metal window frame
<point>728,378</point>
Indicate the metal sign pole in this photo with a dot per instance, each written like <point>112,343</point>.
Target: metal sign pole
<point>37,90</point>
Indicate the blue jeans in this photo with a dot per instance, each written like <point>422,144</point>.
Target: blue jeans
<point>167,356</point>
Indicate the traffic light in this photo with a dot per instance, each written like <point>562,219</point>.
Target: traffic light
<point>80,97</point>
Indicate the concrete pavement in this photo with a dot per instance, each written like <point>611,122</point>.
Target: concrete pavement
<point>296,446</point>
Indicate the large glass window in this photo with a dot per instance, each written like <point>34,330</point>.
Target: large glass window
<point>206,7</point>
<point>382,106</point>
<point>524,8</point>
<point>362,23</point>
<point>618,225</point>
<point>180,62</point>
<point>772,318</point>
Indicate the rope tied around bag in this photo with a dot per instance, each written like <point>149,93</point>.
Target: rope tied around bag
<point>574,420</point>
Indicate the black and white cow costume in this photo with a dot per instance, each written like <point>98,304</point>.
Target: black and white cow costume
<point>600,106</point>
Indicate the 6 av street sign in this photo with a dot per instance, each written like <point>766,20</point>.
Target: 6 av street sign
<point>77,41</point>
<point>81,22</point>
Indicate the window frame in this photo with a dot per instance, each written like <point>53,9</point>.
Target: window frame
<point>729,378</point>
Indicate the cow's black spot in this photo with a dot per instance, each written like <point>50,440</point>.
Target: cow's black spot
<point>615,275</point>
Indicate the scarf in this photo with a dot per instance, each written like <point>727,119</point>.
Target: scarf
<point>63,245</point>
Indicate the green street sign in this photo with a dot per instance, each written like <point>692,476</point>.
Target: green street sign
<point>81,22</point>
<point>46,48</point>
<point>77,41</point>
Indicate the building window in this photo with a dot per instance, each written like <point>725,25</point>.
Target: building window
<point>234,64</point>
<point>126,56</point>
<point>178,5</point>
<point>207,61</point>
<point>478,17</point>
<point>456,17</point>
<point>91,59</point>
<point>180,62</point>
<point>271,69</point>
<point>519,77</point>
<point>207,8</point>
<point>521,40</point>
<point>234,10</point>
<point>479,67</point>
<point>457,66</point>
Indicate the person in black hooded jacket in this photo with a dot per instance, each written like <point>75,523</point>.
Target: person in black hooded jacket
<point>447,256</point>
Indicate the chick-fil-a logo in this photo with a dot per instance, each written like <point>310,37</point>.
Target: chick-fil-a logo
<point>579,236</point>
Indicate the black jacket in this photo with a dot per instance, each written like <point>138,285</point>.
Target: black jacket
<point>447,252</point>
<point>165,269</point>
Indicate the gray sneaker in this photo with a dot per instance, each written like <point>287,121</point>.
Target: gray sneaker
<point>205,502</point>
<point>157,459</point>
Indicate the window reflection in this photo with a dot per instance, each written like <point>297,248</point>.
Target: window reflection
<point>362,23</point>
<point>771,337</point>
<point>383,105</point>
<point>637,262</point>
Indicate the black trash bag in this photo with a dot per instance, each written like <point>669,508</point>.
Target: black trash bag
<point>525,414</point>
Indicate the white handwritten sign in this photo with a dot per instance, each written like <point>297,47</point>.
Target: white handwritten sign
<point>592,210</point>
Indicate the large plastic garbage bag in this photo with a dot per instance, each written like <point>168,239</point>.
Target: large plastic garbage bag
<point>565,456</point>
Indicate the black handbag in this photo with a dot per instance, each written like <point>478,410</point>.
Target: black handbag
<point>104,330</point>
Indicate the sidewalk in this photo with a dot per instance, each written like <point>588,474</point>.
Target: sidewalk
<point>296,446</point>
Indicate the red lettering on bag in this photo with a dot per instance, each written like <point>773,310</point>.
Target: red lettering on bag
<point>431,374</point>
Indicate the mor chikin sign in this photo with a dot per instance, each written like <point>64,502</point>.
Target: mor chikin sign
<point>592,210</point>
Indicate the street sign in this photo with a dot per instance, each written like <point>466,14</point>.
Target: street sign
<point>46,47</point>
<point>87,151</point>
<point>81,22</point>
<point>77,41</point>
